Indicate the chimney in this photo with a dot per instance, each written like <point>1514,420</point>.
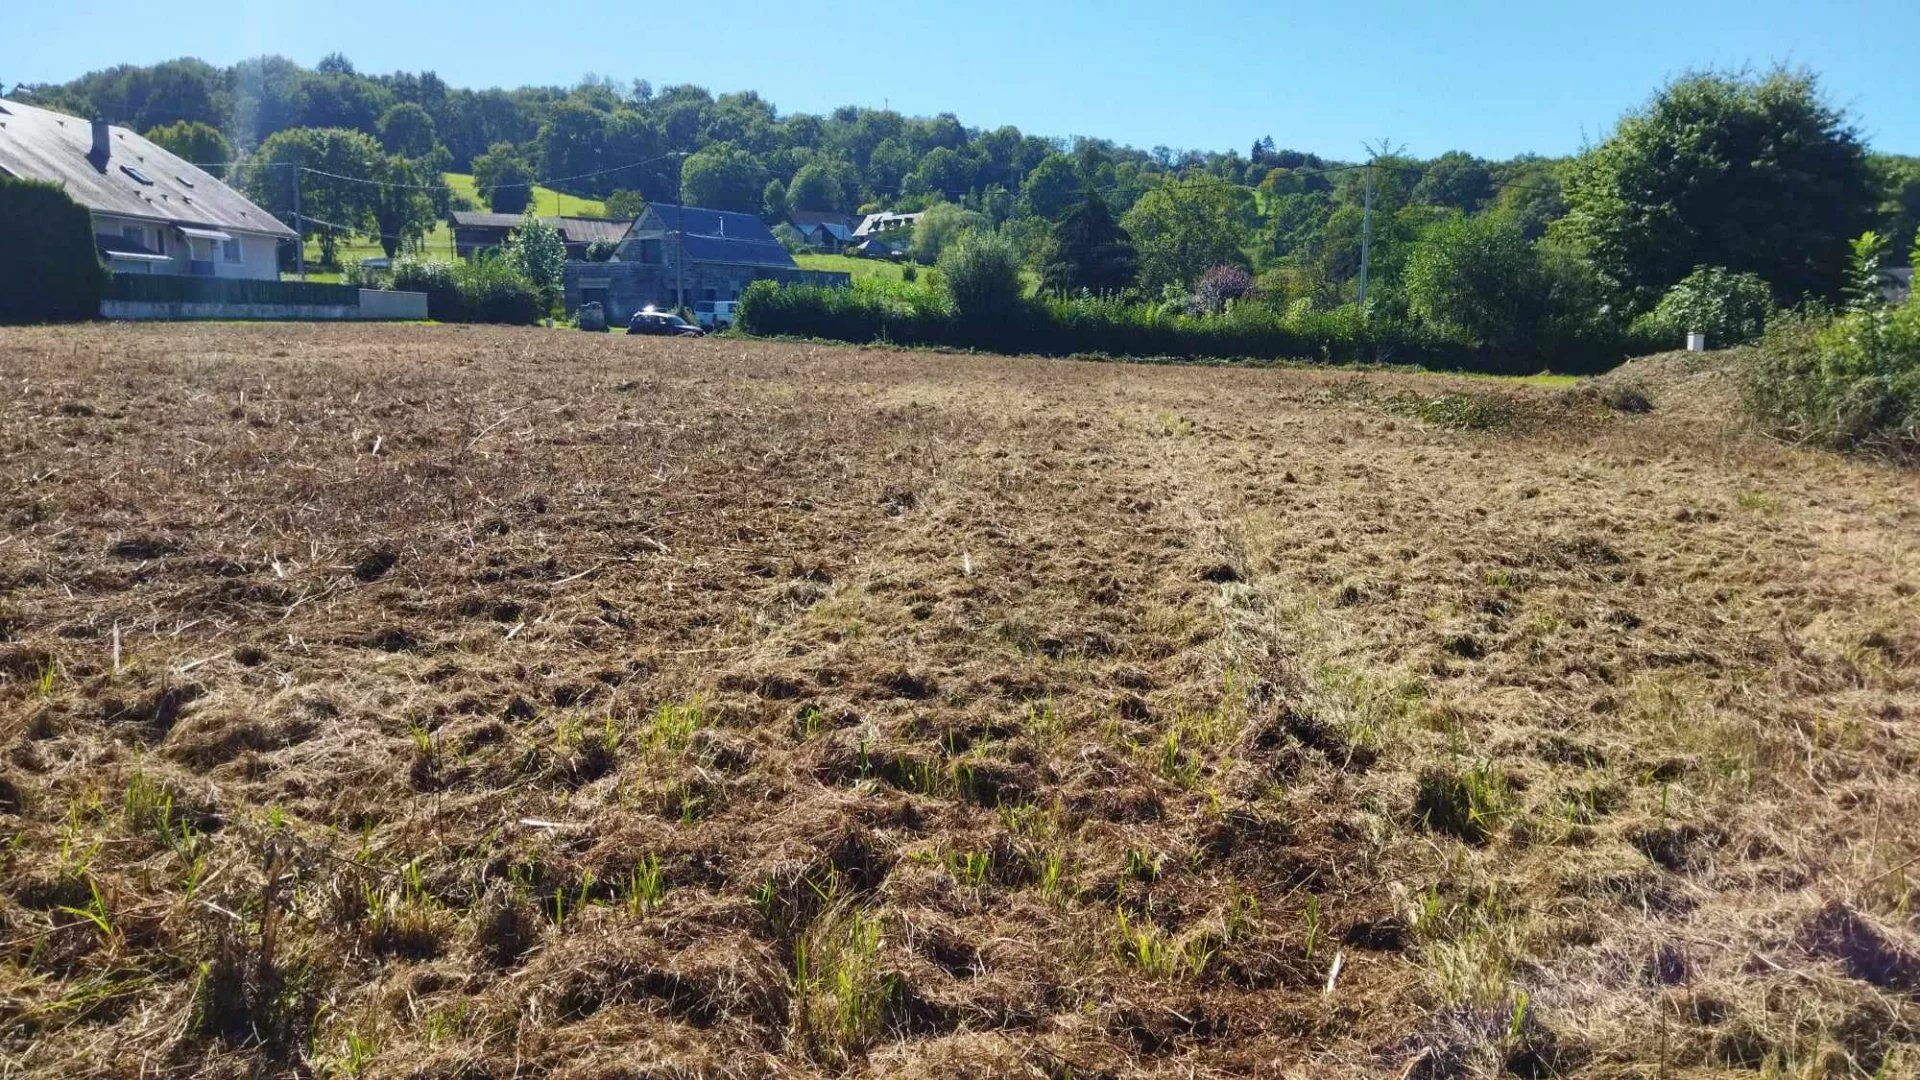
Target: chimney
<point>102,150</point>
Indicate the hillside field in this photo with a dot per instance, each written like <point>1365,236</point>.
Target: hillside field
<point>440,701</point>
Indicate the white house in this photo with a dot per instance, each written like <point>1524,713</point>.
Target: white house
<point>152,212</point>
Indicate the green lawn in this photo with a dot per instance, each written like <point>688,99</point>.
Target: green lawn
<point>861,269</point>
<point>439,242</point>
<point>546,201</point>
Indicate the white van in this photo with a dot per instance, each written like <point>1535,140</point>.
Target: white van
<point>715,314</point>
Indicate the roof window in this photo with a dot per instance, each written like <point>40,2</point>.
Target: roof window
<point>138,176</point>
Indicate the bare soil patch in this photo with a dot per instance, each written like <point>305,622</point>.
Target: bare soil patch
<point>462,702</point>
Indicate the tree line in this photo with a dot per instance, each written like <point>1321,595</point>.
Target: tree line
<point>1613,228</point>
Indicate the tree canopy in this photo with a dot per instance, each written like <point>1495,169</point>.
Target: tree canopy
<point>1755,175</point>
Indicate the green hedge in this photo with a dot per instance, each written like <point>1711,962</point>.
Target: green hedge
<point>484,290</point>
<point>1049,327</point>
<point>177,289</point>
<point>47,255</point>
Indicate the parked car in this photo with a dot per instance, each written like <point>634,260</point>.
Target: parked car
<point>715,314</point>
<point>662,323</point>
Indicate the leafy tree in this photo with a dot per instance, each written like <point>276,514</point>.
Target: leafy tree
<point>573,142</point>
<point>981,272</point>
<point>1897,180</point>
<point>888,166</point>
<point>820,186</point>
<point>1456,180</point>
<point>1755,175</point>
<point>1182,228</point>
<point>504,179</point>
<point>602,250</point>
<point>939,226</point>
<point>1730,308</point>
<point>408,130</point>
<point>194,142</point>
<point>1053,187</point>
<point>626,204</point>
<point>944,173</point>
<point>539,253</point>
<point>404,208</point>
<point>773,200</point>
<point>1476,277</point>
<point>1090,251</point>
<point>723,176</point>
<point>333,207</point>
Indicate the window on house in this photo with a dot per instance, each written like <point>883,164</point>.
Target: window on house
<point>650,251</point>
<point>230,250</point>
<point>134,234</point>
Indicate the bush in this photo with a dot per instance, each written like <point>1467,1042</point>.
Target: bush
<point>486,290</point>
<point>46,239</point>
<point>433,278</point>
<point>602,250</point>
<point>982,275</point>
<point>910,315</point>
<point>493,291</point>
<point>1730,308</point>
<point>1850,381</point>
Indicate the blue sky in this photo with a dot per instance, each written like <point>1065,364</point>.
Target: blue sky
<point>1493,78</point>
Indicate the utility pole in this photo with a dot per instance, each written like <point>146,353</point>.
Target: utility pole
<point>1366,235</point>
<point>299,226</point>
<point>680,258</point>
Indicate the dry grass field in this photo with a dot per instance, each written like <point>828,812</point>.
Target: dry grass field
<point>461,703</point>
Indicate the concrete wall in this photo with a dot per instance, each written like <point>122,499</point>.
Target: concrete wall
<point>374,305</point>
<point>381,304</point>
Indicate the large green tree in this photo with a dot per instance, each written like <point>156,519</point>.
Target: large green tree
<point>1090,252</point>
<point>1053,187</point>
<point>331,166</point>
<point>403,205</point>
<point>723,176</point>
<point>407,129</point>
<point>1183,228</point>
<point>194,142</point>
<point>939,226</point>
<point>503,178</point>
<point>1753,174</point>
<point>822,186</point>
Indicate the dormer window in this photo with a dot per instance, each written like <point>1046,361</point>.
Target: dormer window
<point>138,176</point>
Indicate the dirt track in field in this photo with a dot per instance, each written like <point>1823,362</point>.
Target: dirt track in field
<point>436,701</point>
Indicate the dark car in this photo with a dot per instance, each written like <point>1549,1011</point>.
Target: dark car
<point>659,322</point>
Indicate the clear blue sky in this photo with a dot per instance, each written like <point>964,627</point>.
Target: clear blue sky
<point>1487,77</point>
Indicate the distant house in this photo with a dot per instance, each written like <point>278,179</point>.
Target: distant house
<point>675,256</point>
<point>822,231</point>
<point>476,231</point>
<point>581,232</point>
<point>152,212</point>
<point>882,234</point>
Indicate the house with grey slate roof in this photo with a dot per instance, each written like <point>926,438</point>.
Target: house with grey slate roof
<point>152,212</point>
<point>676,256</point>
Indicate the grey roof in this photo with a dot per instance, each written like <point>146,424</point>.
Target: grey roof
<point>721,236</point>
<point>36,144</point>
<point>480,219</point>
<point>873,223</point>
<point>585,230</point>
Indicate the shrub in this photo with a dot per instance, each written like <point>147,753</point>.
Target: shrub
<point>1730,308</point>
<point>436,280</point>
<point>1850,381</point>
<point>46,239</point>
<point>493,291</point>
<point>982,275</point>
<point>602,250</point>
<point>1217,288</point>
